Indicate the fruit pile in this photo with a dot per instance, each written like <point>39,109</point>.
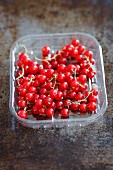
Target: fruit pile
<point>57,86</point>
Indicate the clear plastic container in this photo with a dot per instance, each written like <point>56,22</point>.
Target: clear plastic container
<point>34,43</point>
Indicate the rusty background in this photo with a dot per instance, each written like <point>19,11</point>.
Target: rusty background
<point>21,148</point>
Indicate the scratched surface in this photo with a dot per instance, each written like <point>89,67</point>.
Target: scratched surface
<point>67,148</point>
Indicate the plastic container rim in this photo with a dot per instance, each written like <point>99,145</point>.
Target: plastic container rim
<point>88,119</point>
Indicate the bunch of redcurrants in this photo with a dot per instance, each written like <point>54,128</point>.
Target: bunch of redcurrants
<point>59,85</point>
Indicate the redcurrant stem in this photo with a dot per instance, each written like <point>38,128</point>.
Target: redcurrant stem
<point>87,59</point>
<point>55,76</point>
<point>81,85</point>
<point>25,108</point>
<point>31,80</point>
<point>25,48</point>
<point>54,57</point>
<point>68,106</point>
<point>21,74</point>
<point>18,83</point>
<point>55,81</point>
<point>44,106</point>
<point>41,60</point>
<point>74,74</point>
<point>54,85</point>
<point>86,96</point>
<point>51,79</point>
<point>28,110</point>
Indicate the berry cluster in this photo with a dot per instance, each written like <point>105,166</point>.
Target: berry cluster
<point>59,85</point>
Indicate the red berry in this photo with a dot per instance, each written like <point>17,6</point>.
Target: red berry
<point>31,76</point>
<point>65,54</point>
<point>69,48</point>
<point>42,72</point>
<point>70,68</point>
<point>19,73</point>
<point>68,77</point>
<point>81,49</point>
<point>19,63</point>
<point>49,73</point>
<point>54,64</point>
<point>61,68</point>
<point>42,111</point>
<point>93,98</point>
<point>92,61</point>
<point>82,78</point>
<point>22,103</point>
<point>26,79</point>
<point>20,81</point>
<point>21,91</point>
<point>43,91</point>
<point>86,93</point>
<point>61,77</point>
<point>38,103</point>
<point>53,105</point>
<point>83,107</point>
<point>49,112</point>
<point>91,106</point>
<point>67,103</point>
<point>27,84</point>
<point>61,60</point>
<point>26,69</point>
<point>59,95</point>
<point>85,71</point>
<point>75,42</point>
<point>46,51</point>
<point>36,83</point>
<point>22,56</point>
<point>36,96</point>
<point>59,104</point>
<point>48,101</point>
<point>22,114</point>
<point>35,110</point>
<point>47,65</point>
<point>40,67</point>
<point>74,84</point>
<point>84,64</point>
<point>72,95</point>
<point>33,68</point>
<point>79,96</point>
<point>79,58</point>
<point>77,68</point>
<point>91,74</point>
<point>49,85</point>
<point>67,74</point>
<point>88,53</point>
<point>65,94</point>
<point>42,96</point>
<point>83,87</point>
<point>63,86</point>
<point>95,92</point>
<point>65,112</point>
<point>42,78</point>
<point>29,97</point>
<point>74,53</point>
<point>53,93</point>
<point>75,106</point>
<point>20,98</point>
<point>32,89</point>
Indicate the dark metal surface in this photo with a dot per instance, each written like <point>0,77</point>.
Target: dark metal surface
<point>68,148</point>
